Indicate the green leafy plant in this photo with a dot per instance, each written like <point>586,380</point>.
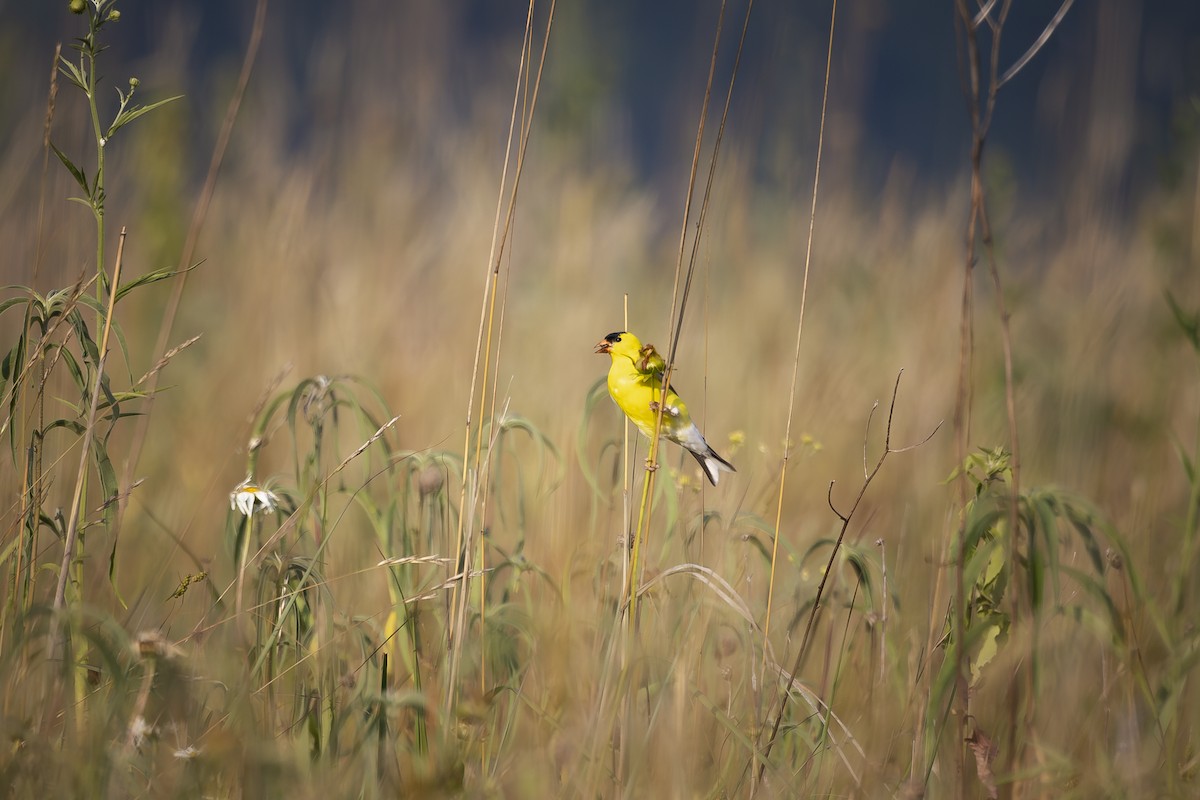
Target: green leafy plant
<point>83,74</point>
<point>61,399</point>
<point>1040,584</point>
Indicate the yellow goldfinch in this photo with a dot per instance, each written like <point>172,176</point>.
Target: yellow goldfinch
<point>635,383</point>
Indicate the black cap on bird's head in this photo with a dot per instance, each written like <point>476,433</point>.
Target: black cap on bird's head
<point>605,344</point>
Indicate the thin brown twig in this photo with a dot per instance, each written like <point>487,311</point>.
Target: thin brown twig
<point>489,277</point>
<point>787,435</point>
<point>464,547</point>
<point>845,519</point>
<point>645,507</point>
<point>530,98</point>
<point>678,310</point>
<point>1051,26</point>
<point>712,174</point>
<point>981,102</point>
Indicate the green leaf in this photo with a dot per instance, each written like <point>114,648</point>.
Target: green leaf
<point>109,402</point>
<point>93,304</point>
<point>1189,469</point>
<point>11,364</point>
<point>75,171</point>
<point>108,479</point>
<point>1049,509</point>
<point>543,447</point>
<point>598,390</point>
<point>148,278</point>
<point>860,562</point>
<point>1096,588</point>
<point>101,310</point>
<point>1083,526</point>
<point>72,425</point>
<point>129,115</point>
<point>988,647</point>
<point>120,334</point>
<point>10,371</point>
<point>112,573</point>
<point>759,545</point>
<point>259,432</point>
<point>944,685</point>
<point>91,351</point>
<point>981,564</point>
<point>73,367</point>
<point>13,301</point>
<point>1188,321</point>
<point>72,73</point>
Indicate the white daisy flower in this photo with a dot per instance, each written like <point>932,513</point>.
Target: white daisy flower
<point>248,497</point>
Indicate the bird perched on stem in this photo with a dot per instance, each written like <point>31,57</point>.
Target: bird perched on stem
<point>635,381</point>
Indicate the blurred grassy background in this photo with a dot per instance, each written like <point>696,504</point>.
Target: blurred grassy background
<point>349,236</point>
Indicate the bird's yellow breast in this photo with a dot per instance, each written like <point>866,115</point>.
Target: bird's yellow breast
<point>637,394</point>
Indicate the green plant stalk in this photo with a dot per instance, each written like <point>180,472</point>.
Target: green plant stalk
<point>36,483</point>
<point>422,735</point>
<point>1190,525</point>
<point>73,546</point>
<point>487,484</point>
<point>487,310</point>
<point>823,735</point>
<point>787,435</point>
<point>268,646</point>
<point>635,561</point>
<point>242,557</point>
<point>24,545</point>
<point>319,553</point>
<point>461,549</point>
<point>400,577</point>
<point>20,594</point>
<point>98,189</point>
<point>96,201</point>
<point>1178,738</point>
<point>483,650</point>
<point>74,561</point>
<point>644,511</point>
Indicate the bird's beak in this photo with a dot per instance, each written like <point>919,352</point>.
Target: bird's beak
<point>604,346</point>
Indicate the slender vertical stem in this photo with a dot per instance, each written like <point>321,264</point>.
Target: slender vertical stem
<point>242,557</point>
<point>97,189</point>
<point>787,436</point>
<point>62,643</point>
<point>89,431</point>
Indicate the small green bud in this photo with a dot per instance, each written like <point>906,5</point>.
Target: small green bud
<point>78,6</point>
<point>114,15</point>
<point>134,83</point>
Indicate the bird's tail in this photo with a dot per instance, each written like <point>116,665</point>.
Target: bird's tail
<point>712,464</point>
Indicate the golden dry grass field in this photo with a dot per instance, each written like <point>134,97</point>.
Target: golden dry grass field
<point>438,605</point>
